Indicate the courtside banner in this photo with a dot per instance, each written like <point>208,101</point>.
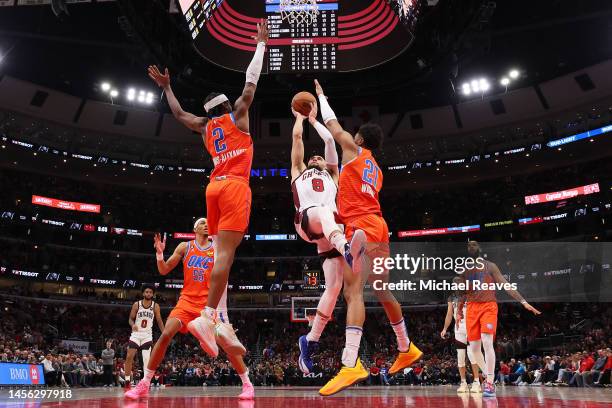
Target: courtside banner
<point>21,374</point>
<point>65,205</point>
<point>428,272</point>
<point>438,231</point>
<point>562,195</point>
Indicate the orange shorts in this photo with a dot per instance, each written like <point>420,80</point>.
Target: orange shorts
<point>376,231</point>
<point>228,205</point>
<point>187,310</point>
<point>481,317</point>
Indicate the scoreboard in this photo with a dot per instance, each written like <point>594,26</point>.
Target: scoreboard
<point>302,47</point>
<point>345,35</point>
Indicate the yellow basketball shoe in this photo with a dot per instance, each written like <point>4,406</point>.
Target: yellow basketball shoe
<point>344,379</point>
<point>406,359</point>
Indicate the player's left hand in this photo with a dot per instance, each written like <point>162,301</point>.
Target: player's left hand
<point>159,244</point>
<point>531,309</point>
<point>318,88</point>
<point>162,80</point>
<point>262,32</point>
<point>298,115</point>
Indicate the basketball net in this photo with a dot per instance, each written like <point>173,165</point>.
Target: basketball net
<point>298,12</point>
<point>310,319</point>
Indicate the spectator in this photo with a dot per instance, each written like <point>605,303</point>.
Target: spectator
<point>108,361</point>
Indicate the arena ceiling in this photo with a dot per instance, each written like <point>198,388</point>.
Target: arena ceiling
<point>455,40</point>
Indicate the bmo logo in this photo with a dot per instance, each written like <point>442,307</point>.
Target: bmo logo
<point>21,374</point>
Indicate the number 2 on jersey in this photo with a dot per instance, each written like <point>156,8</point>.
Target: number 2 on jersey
<point>370,173</point>
<point>219,140</point>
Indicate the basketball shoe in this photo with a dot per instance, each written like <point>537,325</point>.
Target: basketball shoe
<point>227,339</point>
<point>354,250</point>
<point>140,391</point>
<point>203,328</point>
<point>476,388</point>
<point>488,389</point>
<point>406,359</point>
<point>344,379</point>
<point>307,349</point>
<point>248,392</point>
<point>463,388</point>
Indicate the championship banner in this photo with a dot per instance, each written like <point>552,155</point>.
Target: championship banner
<point>562,195</point>
<point>65,205</point>
<point>21,374</point>
<point>76,345</point>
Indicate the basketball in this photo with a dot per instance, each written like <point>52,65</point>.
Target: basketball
<point>302,102</point>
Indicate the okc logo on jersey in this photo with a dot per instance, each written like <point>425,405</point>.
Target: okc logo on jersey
<point>197,261</point>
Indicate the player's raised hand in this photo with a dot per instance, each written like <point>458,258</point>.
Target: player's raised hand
<point>532,309</point>
<point>318,88</point>
<point>262,32</point>
<point>298,115</point>
<point>162,80</point>
<point>312,116</point>
<point>159,244</point>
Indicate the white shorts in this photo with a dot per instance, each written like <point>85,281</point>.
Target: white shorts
<point>461,334</point>
<point>323,244</point>
<point>140,341</point>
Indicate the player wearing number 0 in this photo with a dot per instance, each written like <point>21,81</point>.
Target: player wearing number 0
<point>197,257</point>
<point>228,196</point>
<point>481,313</point>
<point>141,321</point>
<point>314,190</point>
<point>359,207</point>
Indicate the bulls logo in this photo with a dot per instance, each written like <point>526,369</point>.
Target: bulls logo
<point>34,374</point>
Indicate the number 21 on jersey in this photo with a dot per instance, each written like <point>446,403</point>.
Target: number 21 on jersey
<point>370,173</point>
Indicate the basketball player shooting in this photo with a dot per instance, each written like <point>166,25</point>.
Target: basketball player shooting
<point>197,257</point>
<point>141,321</point>
<point>226,136</point>
<point>359,185</point>
<point>314,188</point>
<point>481,315</point>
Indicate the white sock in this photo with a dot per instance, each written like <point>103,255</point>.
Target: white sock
<point>338,240</point>
<point>244,377</point>
<point>318,325</point>
<point>127,378</point>
<point>210,312</point>
<point>477,380</point>
<point>487,344</point>
<point>351,348</point>
<point>148,374</point>
<point>401,332</point>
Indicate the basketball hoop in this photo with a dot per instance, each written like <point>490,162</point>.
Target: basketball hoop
<point>298,12</point>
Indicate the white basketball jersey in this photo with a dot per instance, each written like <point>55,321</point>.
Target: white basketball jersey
<point>144,318</point>
<point>314,188</point>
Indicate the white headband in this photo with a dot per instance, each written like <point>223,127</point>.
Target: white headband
<point>195,224</point>
<point>217,100</point>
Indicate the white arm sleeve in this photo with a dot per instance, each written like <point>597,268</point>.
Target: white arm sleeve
<point>331,155</point>
<point>326,111</point>
<point>254,69</point>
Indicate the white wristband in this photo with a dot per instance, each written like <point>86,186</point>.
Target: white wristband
<point>159,256</point>
<point>326,111</point>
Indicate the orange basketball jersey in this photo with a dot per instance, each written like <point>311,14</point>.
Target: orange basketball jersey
<point>197,268</point>
<point>359,185</point>
<point>231,148</point>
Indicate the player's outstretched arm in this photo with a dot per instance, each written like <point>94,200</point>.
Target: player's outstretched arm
<point>190,120</point>
<point>331,155</point>
<point>132,319</point>
<point>165,267</point>
<point>242,105</point>
<point>160,321</point>
<point>447,319</point>
<point>499,278</point>
<point>350,150</point>
<point>297,146</point>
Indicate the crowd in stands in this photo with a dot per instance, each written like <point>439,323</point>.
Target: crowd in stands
<point>526,347</point>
